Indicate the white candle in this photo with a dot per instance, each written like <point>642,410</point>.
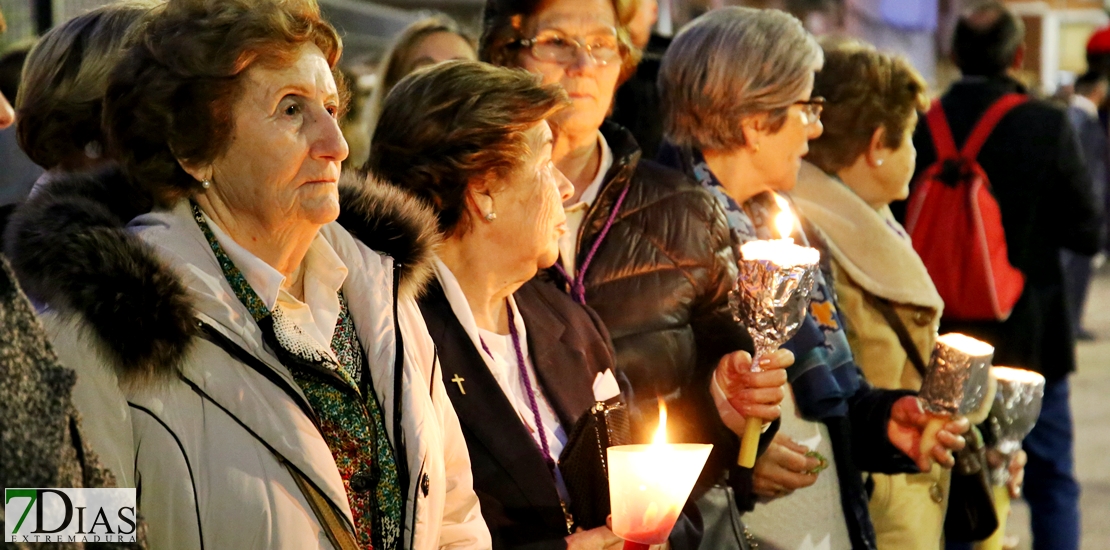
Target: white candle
<point>649,484</point>
<point>781,252</point>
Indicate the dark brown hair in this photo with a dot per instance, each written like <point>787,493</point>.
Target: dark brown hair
<point>446,125</point>
<point>63,83</point>
<point>503,22</point>
<point>864,90</point>
<point>987,38</point>
<point>170,99</point>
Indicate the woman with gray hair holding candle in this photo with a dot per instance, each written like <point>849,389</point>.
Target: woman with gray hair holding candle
<point>736,88</point>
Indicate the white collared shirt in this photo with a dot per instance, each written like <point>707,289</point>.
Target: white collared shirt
<point>576,213</point>
<point>502,363</point>
<point>324,274</point>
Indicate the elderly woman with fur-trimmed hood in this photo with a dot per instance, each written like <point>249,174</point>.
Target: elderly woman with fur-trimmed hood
<point>261,373</point>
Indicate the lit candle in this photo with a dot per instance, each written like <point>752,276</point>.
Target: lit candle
<point>649,484</point>
<point>771,298</point>
<point>956,383</point>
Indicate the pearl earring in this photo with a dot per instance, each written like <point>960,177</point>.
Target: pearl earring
<point>879,162</point>
<point>491,216</point>
<point>206,184</point>
<point>755,146</point>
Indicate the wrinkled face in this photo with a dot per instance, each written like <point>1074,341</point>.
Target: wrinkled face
<point>282,164</point>
<point>589,85</point>
<point>529,205</point>
<point>894,175</point>
<point>780,153</point>
<point>437,48</point>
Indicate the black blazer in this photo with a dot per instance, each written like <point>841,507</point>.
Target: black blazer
<point>568,346</point>
<point>1037,175</point>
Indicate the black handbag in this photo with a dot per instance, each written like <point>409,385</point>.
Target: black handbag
<point>583,462</point>
<point>971,515</point>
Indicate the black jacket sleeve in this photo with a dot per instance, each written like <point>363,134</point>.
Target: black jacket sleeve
<point>868,414</point>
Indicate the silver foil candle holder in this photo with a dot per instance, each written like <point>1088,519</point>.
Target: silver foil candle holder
<point>956,383</point>
<point>771,297</point>
<point>1016,407</point>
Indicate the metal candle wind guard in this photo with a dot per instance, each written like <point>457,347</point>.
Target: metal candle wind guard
<point>957,382</point>
<point>771,301</point>
<point>1016,407</point>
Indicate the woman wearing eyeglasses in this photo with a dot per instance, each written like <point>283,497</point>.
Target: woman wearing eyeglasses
<point>736,87</point>
<point>646,248</point>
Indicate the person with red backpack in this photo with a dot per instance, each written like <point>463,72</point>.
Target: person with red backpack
<point>999,188</point>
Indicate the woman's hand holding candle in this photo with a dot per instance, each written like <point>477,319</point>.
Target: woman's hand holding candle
<point>1016,468</point>
<point>742,393</point>
<point>784,468</point>
<point>910,426</point>
<point>598,538</point>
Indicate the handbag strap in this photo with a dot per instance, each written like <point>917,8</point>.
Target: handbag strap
<point>334,526</point>
<point>904,338</point>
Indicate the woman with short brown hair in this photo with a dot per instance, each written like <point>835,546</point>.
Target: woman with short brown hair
<point>518,355</point>
<point>276,384</point>
<point>861,163</point>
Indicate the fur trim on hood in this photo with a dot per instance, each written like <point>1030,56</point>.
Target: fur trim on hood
<point>71,252</point>
<point>392,222</point>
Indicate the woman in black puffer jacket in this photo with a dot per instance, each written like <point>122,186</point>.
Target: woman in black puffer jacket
<point>647,249</point>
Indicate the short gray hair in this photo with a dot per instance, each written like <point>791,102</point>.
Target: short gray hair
<point>730,64</point>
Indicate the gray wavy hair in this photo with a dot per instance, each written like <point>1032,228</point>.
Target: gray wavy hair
<point>730,64</point>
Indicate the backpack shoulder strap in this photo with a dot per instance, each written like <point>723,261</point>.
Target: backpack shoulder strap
<point>988,121</point>
<point>942,134</point>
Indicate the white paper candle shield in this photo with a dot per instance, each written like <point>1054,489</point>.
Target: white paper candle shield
<point>1016,407</point>
<point>648,486</point>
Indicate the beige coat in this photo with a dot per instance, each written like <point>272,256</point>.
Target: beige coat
<point>870,253</point>
<point>188,403</point>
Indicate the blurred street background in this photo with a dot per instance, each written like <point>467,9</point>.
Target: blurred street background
<point>1056,30</point>
<point>1090,401</point>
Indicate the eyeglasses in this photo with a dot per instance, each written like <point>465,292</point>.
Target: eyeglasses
<point>811,109</point>
<point>556,48</point>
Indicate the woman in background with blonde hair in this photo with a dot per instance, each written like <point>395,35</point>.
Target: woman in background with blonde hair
<point>426,41</point>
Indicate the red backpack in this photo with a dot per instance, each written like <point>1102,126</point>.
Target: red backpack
<point>956,225</point>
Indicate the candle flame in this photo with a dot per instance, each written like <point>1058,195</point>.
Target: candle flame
<point>784,221</point>
<point>966,344</point>
<point>661,432</point>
